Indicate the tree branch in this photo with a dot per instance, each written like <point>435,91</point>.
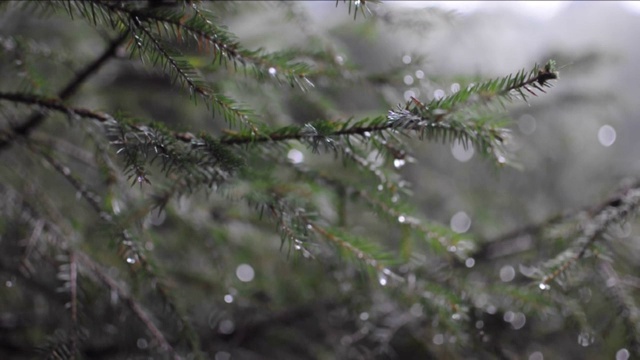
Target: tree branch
<point>24,129</point>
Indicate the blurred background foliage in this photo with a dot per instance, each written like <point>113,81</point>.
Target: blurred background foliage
<point>221,279</point>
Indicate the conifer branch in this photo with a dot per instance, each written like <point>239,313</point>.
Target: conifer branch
<point>69,90</point>
<point>137,309</point>
<point>627,309</point>
<point>594,229</point>
<point>128,248</point>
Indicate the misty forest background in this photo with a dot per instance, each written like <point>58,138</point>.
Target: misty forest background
<point>299,249</point>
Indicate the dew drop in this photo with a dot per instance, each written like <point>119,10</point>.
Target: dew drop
<point>507,273</point>
<point>438,94</point>
<point>419,74</point>
<point>438,339</point>
<point>455,87</point>
<point>406,59</point>
<point>409,94</point>
<point>142,343</point>
<point>228,298</point>
<point>606,135</point>
<point>544,286</point>
<point>402,219</point>
<point>537,355</point>
<point>222,355</point>
<point>470,262</point>
<point>382,279</point>
<point>408,80</point>
<point>245,272</point>
<point>295,156</point>
<point>623,354</point>
<point>272,71</point>
<point>398,163</point>
<point>226,327</point>
<point>527,124</point>
<point>461,152</point>
<point>131,260</point>
<point>460,222</point>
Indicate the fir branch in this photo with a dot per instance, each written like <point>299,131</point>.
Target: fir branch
<point>358,5</point>
<point>593,230</point>
<point>627,309</point>
<point>24,129</point>
<point>137,309</point>
<point>128,248</point>
<point>296,223</point>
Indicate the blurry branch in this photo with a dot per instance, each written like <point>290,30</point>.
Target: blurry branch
<point>128,249</point>
<point>495,247</point>
<point>627,309</point>
<point>135,307</point>
<point>25,128</point>
<point>191,25</point>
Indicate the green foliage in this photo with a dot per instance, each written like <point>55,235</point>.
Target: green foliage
<point>170,210</point>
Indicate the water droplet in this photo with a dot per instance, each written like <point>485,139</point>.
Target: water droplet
<point>439,94</point>
<point>623,354</point>
<point>419,74</point>
<point>367,134</point>
<point>460,222</point>
<point>408,79</point>
<point>586,338</point>
<point>339,60</point>
<point>295,156</point>
<point>537,355</point>
<point>228,298</point>
<point>398,163</point>
<point>222,355</point>
<point>131,260</point>
<point>455,87</point>
<point>470,262</point>
<point>142,343</point>
<point>452,248</point>
<point>438,339</point>
<point>479,324</point>
<point>461,152</point>
<point>607,135</point>
<point>456,316</point>
<point>544,286</point>
<point>8,283</point>
<point>518,321</point>
<point>380,187</point>
<point>527,124</point>
<point>382,279</point>
<point>409,94</point>
<point>364,316</point>
<point>226,327</point>
<point>406,59</point>
<point>245,272</point>
<point>272,71</point>
<point>402,219</point>
<point>507,273</point>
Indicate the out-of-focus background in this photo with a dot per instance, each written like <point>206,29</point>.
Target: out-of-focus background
<point>571,147</point>
<point>575,144</point>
